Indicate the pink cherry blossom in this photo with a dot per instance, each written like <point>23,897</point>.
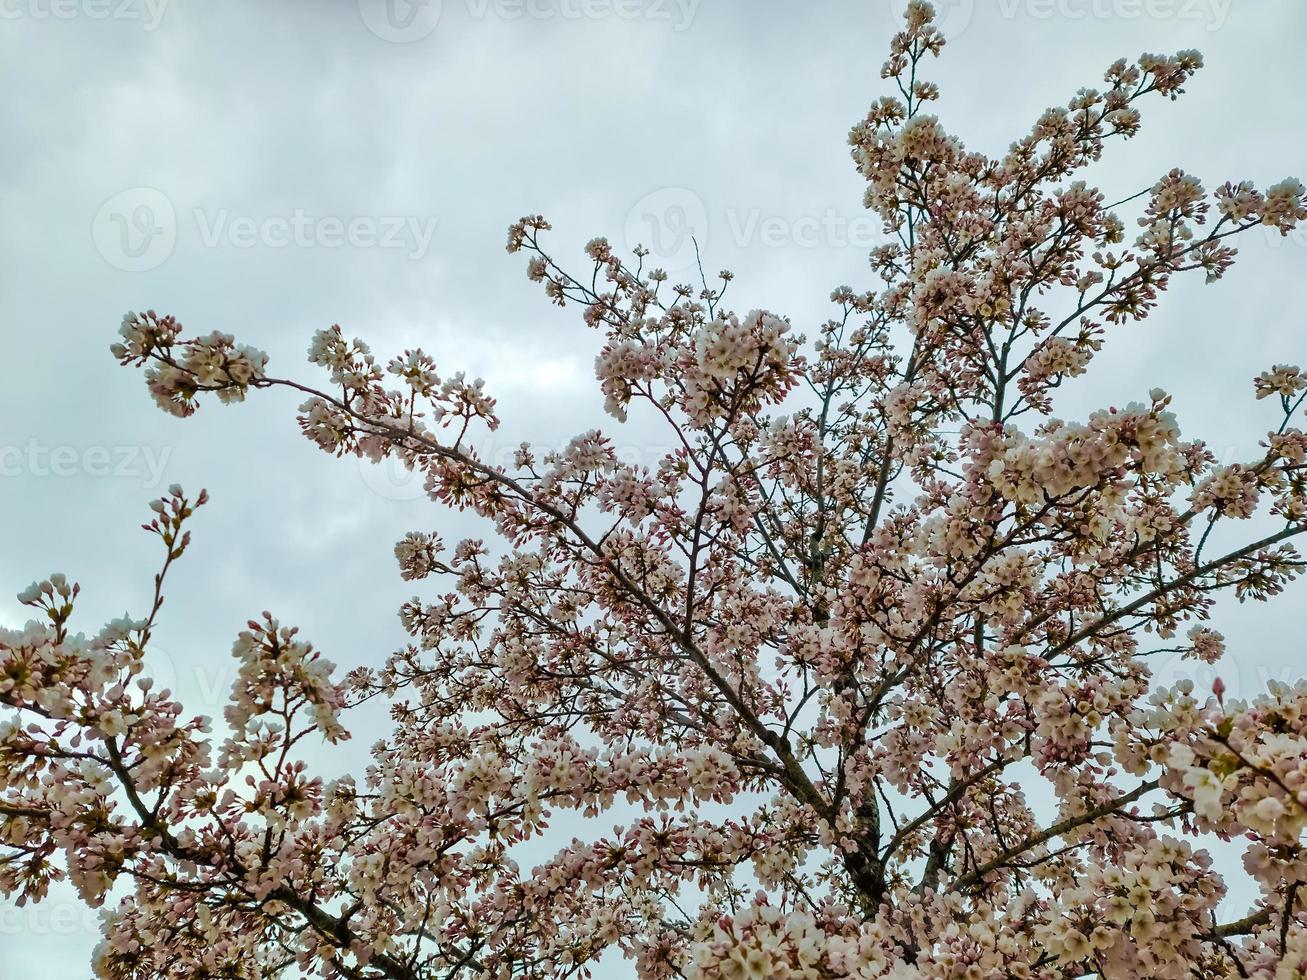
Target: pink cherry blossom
<point>853,681</point>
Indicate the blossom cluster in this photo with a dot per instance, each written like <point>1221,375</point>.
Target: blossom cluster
<point>855,680</point>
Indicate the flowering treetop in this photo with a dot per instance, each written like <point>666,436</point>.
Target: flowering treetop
<point>832,656</point>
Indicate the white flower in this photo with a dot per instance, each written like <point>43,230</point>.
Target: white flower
<point>1207,791</point>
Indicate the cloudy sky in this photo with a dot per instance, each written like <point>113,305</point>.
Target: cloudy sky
<point>270,168</point>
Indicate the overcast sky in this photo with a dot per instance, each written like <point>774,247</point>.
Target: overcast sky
<point>271,168</point>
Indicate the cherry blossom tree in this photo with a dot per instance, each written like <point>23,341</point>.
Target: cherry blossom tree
<point>853,682</point>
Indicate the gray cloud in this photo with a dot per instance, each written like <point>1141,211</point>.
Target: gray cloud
<point>127,122</point>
